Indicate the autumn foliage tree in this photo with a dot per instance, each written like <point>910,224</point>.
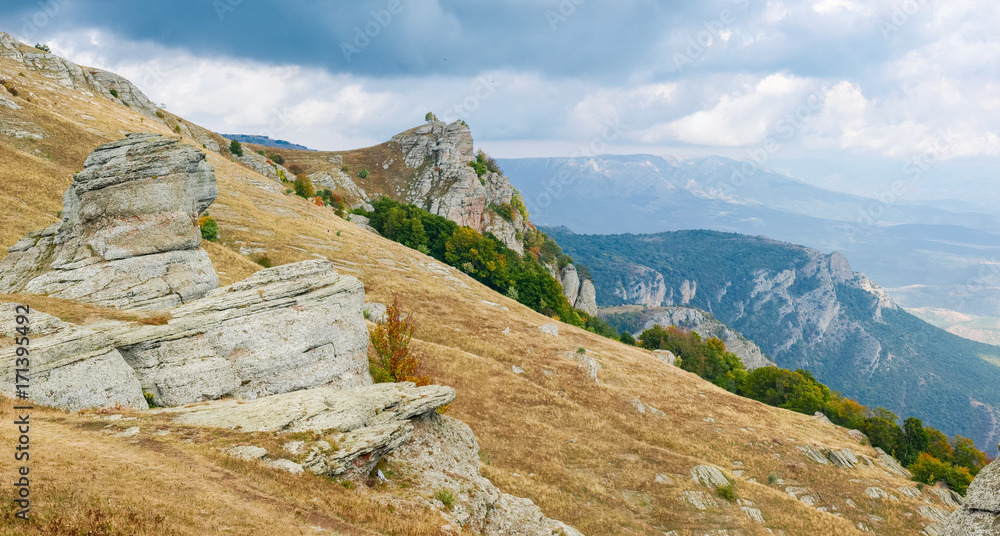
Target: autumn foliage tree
<point>394,361</point>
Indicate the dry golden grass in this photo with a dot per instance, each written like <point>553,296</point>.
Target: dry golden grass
<point>582,452</point>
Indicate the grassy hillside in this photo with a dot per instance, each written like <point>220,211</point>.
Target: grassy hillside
<point>576,447</point>
<point>920,370</point>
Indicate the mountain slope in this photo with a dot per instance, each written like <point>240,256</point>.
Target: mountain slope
<point>935,253</point>
<point>808,310</point>
<point>578,448</point>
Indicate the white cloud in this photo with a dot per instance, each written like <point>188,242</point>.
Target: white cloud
<point>832,6</point>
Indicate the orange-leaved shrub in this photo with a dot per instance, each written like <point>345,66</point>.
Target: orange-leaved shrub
<point>394,361</point>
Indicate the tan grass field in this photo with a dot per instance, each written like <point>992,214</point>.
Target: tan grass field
<point>577,448</point>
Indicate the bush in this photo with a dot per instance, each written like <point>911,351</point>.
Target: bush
<point>393,360</point>
<point>446,496</point>
<point>149,399</point>
<point>304,187</point>
<point>43,48</point>
<point>264,261</point>
<point>114,93</point>
<point>727,492</point>
<point>277,159</point>
<point>177,129</point>
<point>159,114</point>
<point>363,173</point>
<point>429,116</point>
<point>209,228</point>
<point>504,210</point>
<point>627,338</point>
<point>235,147</point>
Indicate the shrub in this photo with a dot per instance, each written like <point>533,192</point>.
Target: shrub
<point>627,338</point>
<point>260,152</point>
<point>264,261</point>
<point>209,228</point>
<point>363,173</point>
<point>159,114</point>
<point>772,478</point>
<point>504,210</point>
<point>446,496</point>
<point>10,88</point>
<point>727,492</point>
<point>149,399</point>
<point>114,93</point>
<point>429,116</point>
<point>43,48</point>
<point>177,129</point>
<point>345,169</point>
<point>277,159</point>
<point>304,187</point>
<point>235,146</point>
<point>518,203</point>
<point>393,360</point>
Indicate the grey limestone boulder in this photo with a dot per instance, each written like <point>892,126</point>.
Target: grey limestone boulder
<point>289,327</point>
<point>129,237</point>
<point>980,513</point>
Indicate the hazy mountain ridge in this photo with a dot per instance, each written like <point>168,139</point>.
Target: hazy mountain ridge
<point>933,255</point>
<point>805,309</point>
<point>265,141</point>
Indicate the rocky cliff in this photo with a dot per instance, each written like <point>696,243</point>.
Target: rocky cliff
<point>581,294</point>
<point>705,325</point>
<point>805,309</point>
<point>129,235</point>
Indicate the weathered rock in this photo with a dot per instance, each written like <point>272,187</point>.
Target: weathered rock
<point>859,436</point>
<point>891,464</point>
<point>444,454</point>
<point>666,356</point>
<point>87,80</point>
<point>707,326</point>
<point>587,300</point>
<point>876,493</point>
<point>980,513</point>
<point>813,454</point>
<point>247,452</point>
<point>841,458</point>
<point>129,236</point>
<point>289,327</point>
<point>72,367</point>
<point>709,476</point>
<point>375,312</point>
<point>947,496</point>
<point>570,283</point>
<point>550,329</point>
<point>365,422</point>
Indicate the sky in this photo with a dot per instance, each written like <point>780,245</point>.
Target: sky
<point>847,94</point>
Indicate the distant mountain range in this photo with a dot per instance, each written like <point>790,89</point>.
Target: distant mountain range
<point>804,309</point>
<point>266,141</point>
<point>926,256</point>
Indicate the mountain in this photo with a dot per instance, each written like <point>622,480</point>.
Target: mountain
<point>265,141</point>
<point>555,412</point>
<point>806,309</point>
<point>925,256</point>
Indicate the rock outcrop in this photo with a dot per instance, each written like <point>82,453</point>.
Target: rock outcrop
<point>980,515</point>
<point>444,454</point>
<point>129,236</point>
<point>365,423</point>
<point>87,80</point>
<point>438,155</point>
<point>707,326</point>
<point>72,367</point>
<point>285,328</point>
<point>580,293</point>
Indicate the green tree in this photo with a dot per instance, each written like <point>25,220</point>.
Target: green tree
<point>304,187</point>
<point>235,147</point>
<point>915,440</point>
<point>627,338</point>
<point>429,116</point>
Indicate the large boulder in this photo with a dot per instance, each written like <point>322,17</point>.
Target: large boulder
<point>71,367</point>
<point>980,514</point>
<point>570,283</point>
<point>587,300</point>
<point>129,237</point>
<point>289,327</point>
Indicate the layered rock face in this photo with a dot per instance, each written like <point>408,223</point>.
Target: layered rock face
<point>72,367</point>
<point>444,184</point>
<point>285,328</point>
<point>980,514</point>
<point>129,236</point>
<point>87,80</point>
<point>701,323</point>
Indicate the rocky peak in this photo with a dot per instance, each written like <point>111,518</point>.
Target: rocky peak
<point>129,236</point>
<point>87,80</point>
<point>439,154</point>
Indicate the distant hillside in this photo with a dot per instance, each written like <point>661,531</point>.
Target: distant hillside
<point>265,141</point>
<point>924,255</point>
<point>806,309</point>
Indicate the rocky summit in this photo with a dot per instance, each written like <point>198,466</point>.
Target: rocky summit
<point>129,236</point>
<point>980,513</point>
